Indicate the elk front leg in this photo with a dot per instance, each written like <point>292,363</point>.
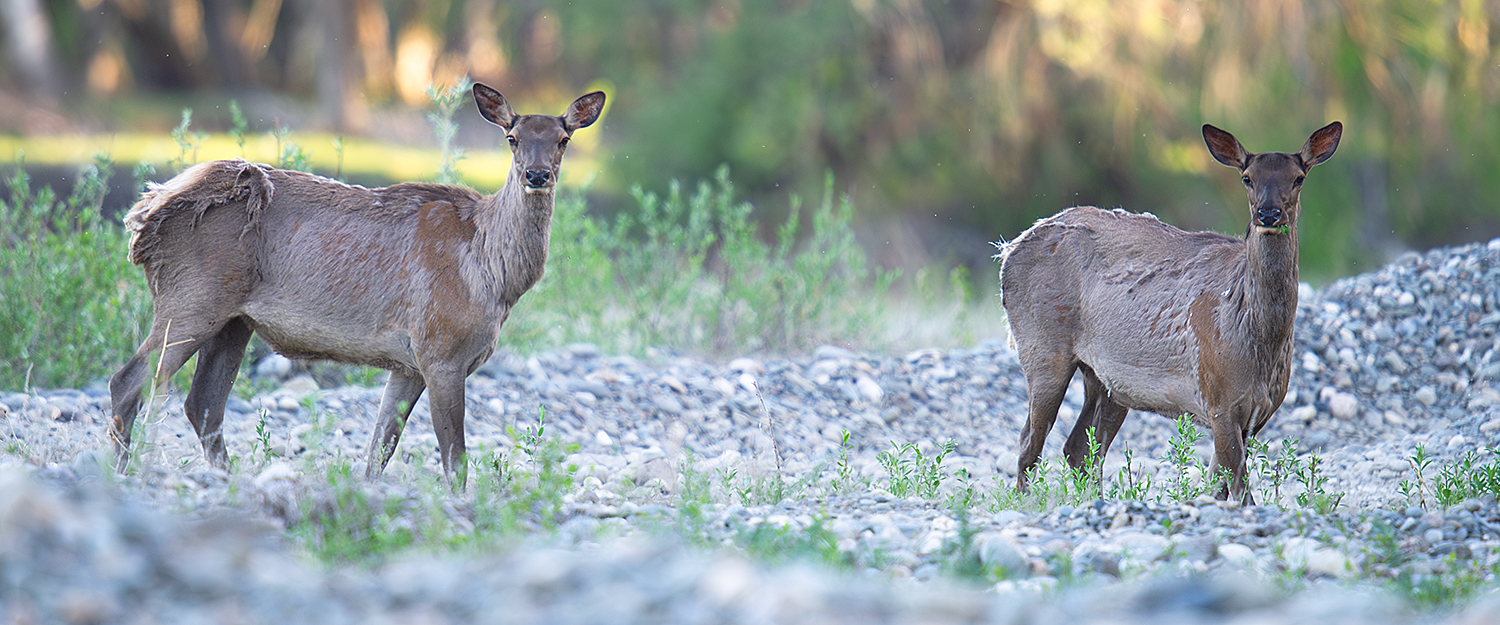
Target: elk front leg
<point>1229,453</point>
<point>447,402</point>
<point>1100,414</point>
<point>176,343</point>
<point>401,393</point>
<point>218,362</point>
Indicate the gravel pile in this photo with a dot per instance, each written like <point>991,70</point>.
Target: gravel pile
<point>1401,357</point>
<point>70,552</point>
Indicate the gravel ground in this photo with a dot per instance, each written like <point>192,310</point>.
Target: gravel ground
<point>1389,360</point>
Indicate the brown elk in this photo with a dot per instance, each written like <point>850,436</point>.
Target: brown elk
<point>1159,319</point>
<point>414,278</point>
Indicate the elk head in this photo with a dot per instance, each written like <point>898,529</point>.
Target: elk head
<point>537,141</point>
<point>1273,179</point>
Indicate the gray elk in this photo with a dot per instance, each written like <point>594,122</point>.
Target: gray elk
<point>413,278</point>
<point>1162,320</point>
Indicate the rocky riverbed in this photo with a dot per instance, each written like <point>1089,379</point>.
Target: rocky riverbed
<point>1385,362</point>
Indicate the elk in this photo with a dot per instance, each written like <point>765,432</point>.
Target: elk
<point>414,278</point>
<point>1159,319</point>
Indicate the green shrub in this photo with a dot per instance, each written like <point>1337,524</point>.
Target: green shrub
<point>689,272</point>
<point>71,305</point>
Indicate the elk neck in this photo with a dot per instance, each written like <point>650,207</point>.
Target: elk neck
<point>514,228</point>
<point>1270,285</point>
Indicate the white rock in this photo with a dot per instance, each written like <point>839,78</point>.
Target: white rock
<point>273,366</point>
<point>747,365</point>
<point>1237,555</point>
<point>997,550</point>
<point>1329,562</point>
<point>868,389</point>
<point>1305,414</point>
<point>1141,546</point>
<point>673,383</point>
<point>1297,550</point>
<point>1344,406</point>
<point>1427,395</point>
<point>604,439</point>
<point>832,352</point>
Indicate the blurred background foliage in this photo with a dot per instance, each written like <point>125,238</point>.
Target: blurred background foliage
<point>948,123</point>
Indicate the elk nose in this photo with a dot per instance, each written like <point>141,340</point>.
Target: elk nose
<point>538,177</point>
<point>1267,216</point>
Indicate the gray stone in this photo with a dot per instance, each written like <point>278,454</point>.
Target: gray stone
<point>273,366</point>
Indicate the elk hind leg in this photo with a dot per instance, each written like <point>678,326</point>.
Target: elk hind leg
<point>1046,384</point>
<point>401,393</point>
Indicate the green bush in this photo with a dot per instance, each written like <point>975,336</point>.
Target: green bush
<point>689,272</point>
<point>71,305</point>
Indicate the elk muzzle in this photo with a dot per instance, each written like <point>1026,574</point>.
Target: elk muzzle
<point>1268,216</point>
<point>538,180</point>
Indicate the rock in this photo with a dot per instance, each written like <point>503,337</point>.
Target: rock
<point>1427,395</point>
<point>833,352</point>
<point>1000,553</point>
<point>273,366</point>
<point>1297,550</point>
<point>869,390</point>
<point>1141,547</point>
<point>1198,548</point>
<point>1237,555</point>
<point>1329,562</point>
<point>1343,406</point>
<point>673,383</point>
<point>747,365</point>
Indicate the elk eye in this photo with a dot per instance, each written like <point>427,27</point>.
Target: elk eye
<point>511,139</point>
<point>1299,180</point>
<point>1245,179</point>
<point>563,143</point>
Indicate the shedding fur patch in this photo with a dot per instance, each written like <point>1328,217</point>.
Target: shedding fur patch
<point>190,194</point>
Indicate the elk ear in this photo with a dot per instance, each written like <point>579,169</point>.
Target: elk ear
<point>1225,148</point>
<point>493,106</point>
<point>584,111</point>
<point>1321,144</point>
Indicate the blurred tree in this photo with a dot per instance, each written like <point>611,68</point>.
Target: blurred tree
<point>966,117</point>
<point>29,33</point>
